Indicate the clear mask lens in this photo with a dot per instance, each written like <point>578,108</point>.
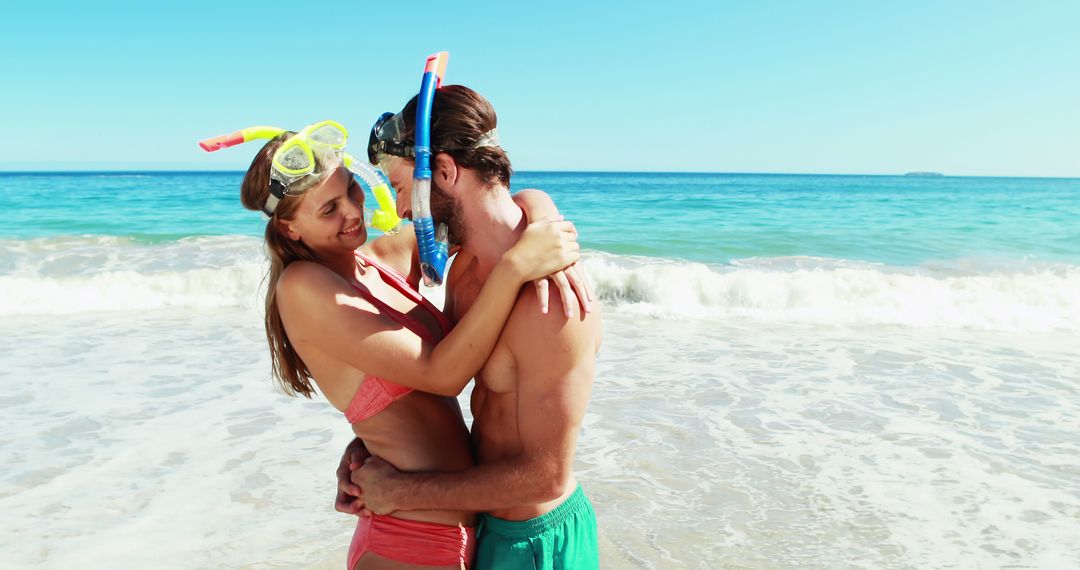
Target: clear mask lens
<point>392,129</point>
<point>329,135</point>
<point>385,163</point>
<point>388,136</point>
<point>295,159</point>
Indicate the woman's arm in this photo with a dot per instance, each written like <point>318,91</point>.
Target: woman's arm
<point>320,309</point>
<point>536,203</point>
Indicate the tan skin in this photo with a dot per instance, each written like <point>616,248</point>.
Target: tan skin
<point>572,288</point>
<point>343,338</point>
<point>530,397</point>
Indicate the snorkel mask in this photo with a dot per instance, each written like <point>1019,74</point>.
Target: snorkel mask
<point>303,160</point>
<point>389,138</point>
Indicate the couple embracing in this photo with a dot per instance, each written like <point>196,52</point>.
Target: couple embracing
<point>343,314</point>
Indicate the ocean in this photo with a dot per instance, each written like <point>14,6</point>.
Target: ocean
<point>797,372</point>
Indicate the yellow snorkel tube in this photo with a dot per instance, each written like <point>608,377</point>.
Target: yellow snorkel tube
<point>385,218</point>
<point>240,137</point>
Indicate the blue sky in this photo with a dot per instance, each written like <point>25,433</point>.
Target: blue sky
<point>977,88</point>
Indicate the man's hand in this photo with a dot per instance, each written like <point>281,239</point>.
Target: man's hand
<point>350,497</point>
<point>377,478</point>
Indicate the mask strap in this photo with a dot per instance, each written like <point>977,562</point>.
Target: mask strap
<point>277,192</point>
<point>490,138</point>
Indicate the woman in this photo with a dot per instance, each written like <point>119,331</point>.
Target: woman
<point>341,311</point>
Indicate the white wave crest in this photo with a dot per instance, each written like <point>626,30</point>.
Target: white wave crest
<point>841,292</point>
<point>90,274</point>
<point>58,276</point>
<point>131,291</point>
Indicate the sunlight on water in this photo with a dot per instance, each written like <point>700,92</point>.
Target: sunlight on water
<point>797,372</point>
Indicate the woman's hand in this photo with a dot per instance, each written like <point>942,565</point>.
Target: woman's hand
<point>547,246</point>
<point>573,285</point>
<point>571,281</point>
<point>349,495</point>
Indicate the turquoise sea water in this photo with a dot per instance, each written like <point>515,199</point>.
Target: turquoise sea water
<point>712,218</point>
<point>797,372</point>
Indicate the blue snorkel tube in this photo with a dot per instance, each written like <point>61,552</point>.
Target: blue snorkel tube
<point>434,250</point>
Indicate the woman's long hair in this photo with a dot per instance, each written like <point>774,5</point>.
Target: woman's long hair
<point>287,366</point>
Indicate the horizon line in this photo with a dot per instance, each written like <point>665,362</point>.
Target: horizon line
<point>912,174</point>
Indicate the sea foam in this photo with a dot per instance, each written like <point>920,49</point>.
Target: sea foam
<point>823,291</point>
<point>95,274</point>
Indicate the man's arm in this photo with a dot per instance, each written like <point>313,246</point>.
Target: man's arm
<point>555,362</point>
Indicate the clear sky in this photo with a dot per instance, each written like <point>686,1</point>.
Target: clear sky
<point>961,87</point>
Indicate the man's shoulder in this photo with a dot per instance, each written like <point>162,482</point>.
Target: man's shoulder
<point>529,329</point>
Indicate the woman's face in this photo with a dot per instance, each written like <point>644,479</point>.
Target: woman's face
<point>330,217</point>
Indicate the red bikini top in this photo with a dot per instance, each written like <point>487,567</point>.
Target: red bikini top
<point>375,394</point>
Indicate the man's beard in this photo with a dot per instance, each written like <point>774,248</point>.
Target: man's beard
<point>446,210</point>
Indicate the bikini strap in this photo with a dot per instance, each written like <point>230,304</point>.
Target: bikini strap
<point>395,279</point>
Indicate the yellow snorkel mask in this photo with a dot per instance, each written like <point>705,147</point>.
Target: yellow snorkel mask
<point>305,158</point>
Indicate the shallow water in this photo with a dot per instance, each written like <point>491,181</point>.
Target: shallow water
<point>797,372</point>
<point>150,437</point>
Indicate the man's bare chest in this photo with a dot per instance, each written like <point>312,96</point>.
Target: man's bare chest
<point>497,376</point>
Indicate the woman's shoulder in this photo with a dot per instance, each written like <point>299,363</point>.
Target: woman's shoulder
<point>301,270</point>
<point>309,294</point>
<point>301,277</point>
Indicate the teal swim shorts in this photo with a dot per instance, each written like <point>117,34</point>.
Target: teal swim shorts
<point>562,539</point>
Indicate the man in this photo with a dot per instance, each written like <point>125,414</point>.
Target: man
<point>530,396</point>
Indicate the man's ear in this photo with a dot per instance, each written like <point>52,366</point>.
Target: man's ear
<point>445,173</point>
<point>285,228</point>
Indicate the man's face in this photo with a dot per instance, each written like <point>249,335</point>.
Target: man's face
<point>399,171</point>
<point>445,209</point>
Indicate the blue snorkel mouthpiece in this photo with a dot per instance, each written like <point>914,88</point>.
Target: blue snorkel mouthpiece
<point>434,247</point>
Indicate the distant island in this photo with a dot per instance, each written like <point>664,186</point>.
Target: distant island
<point>925,174</point>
